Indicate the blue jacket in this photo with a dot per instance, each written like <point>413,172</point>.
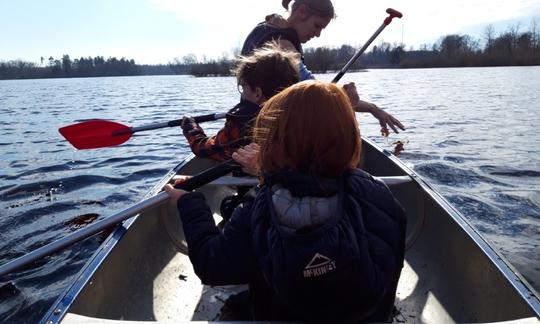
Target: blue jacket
<point>341,265</point>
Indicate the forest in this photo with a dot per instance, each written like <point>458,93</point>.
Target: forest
<point>509,48</point>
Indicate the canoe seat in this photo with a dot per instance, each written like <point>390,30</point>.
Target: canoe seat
<point>252,181</point>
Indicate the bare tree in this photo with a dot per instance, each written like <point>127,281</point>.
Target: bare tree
<point>489,34</point>
<point>514,33</point>
<point>535,35</point>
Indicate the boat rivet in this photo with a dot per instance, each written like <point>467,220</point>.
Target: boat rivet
<point>57,311</point>
<point>49,322</point>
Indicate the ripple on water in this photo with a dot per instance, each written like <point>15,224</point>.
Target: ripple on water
<point>481,213</point>
<point>137,160</point>
<point>455,159</point>
<point>68,166</point>
<point>451,175</point>
<point>508,171</point>
<point>523,206</point>
<point>448,143</point>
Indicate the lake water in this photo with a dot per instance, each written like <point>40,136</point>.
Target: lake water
<point>472,133</point>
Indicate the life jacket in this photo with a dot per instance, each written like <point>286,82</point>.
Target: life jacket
<point>343,269</point>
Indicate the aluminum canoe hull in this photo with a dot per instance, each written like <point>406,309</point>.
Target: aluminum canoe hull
<point>451,274</point>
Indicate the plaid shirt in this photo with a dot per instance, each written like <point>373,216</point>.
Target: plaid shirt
<point>232,136</point>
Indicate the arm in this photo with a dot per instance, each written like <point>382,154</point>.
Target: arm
<point>305,74</point>
<point>218,258</point>
<point>385,119</point>
<point>216,147</point>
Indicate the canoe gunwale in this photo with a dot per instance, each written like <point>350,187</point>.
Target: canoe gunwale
<point>60,307</point>
<point>520,284</point>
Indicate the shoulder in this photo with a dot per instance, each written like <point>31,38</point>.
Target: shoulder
<point>362,186</point>
<point>362,179</point>
<point>241,115</point>
<point>242,108</point>
<point>265,32</point>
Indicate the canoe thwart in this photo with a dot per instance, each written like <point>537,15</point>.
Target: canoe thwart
<point>252,181</point>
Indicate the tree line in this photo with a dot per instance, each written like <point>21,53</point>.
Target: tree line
<point>82,67</point>
<point>510,47</point>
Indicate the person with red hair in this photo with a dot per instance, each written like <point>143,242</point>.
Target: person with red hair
<point>319,240</point>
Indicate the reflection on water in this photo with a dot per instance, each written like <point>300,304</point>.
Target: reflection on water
<point>471,132</point>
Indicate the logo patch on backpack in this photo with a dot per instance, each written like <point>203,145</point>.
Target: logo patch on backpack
<point>318,266</point>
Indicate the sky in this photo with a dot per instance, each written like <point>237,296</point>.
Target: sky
<point>158,31</point>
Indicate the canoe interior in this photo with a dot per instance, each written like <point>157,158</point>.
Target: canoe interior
<point>141,273</point>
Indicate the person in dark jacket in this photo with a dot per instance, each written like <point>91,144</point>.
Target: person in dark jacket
<point>321,240</point>
<point>259,75</point>
<point>306,20</point>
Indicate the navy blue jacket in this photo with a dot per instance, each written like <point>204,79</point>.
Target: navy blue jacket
<point>263,33</point>
<point>345,270</point>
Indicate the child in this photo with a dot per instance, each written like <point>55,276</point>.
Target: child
<point>259,76</point>
<point>322,241</point>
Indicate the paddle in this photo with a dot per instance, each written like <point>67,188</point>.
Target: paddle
<point>104,133</point>
<point>392,14</point>
<point>190,184</point>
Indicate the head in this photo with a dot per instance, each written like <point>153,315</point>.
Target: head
<point>310,128</point>
<point>267,71</point>
<point>309,17</point>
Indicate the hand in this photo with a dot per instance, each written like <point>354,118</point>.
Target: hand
<point>174,193</point>
<point>180,179</point>
<point>385,119</point>
<point>247,157</point>
<point>352,93</point>
<point>187,123</point>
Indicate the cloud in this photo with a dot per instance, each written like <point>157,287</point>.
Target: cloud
<point>423,21</point>
<point>222,25</point>
<point>212,12</point>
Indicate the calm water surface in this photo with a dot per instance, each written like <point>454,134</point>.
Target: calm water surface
<point>471,132</point>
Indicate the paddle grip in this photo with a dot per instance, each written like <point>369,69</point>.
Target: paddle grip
<point>393,14</point>
<point>208,175</point>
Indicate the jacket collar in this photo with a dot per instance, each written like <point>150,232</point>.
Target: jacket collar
<point>301,185</point>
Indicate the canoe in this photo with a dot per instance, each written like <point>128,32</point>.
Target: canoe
<point>141,271</point>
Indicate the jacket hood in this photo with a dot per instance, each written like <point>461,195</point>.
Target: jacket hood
<point>302,202</point>
<point>277,21</point>
<point>296,214</point>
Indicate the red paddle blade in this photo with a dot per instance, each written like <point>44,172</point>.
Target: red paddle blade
<point>95,134</point>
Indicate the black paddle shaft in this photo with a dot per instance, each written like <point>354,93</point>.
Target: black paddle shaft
<point>198,119</point>
<point>208,175</point>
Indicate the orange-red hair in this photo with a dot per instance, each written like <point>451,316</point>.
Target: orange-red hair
<point>309,127</point>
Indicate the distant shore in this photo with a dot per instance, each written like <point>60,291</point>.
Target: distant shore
<point>511,48</point>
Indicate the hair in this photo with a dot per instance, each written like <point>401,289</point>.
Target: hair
<point>310,128</point>
<point>271,67</point>
<point>322,8</point>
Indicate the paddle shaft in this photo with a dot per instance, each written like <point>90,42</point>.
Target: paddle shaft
<point>190,184</point>
<point>392,14</point>
<point>176,122</point>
